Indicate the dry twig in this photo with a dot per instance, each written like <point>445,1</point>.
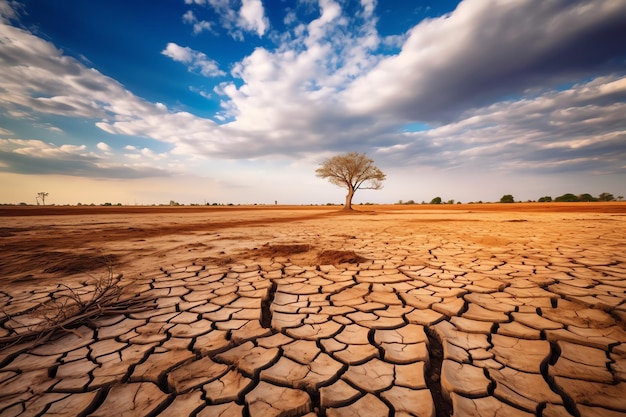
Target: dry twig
<point>72,308</point>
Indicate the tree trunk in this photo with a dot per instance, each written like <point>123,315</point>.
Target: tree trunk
<point>349,196</point>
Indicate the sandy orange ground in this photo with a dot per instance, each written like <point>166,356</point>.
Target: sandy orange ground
<point>45,242</point>
<point>482,309</point>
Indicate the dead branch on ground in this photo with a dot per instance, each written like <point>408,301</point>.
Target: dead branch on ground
<point>73,307</point>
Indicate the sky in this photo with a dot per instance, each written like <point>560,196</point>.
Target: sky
<point>239,101</point>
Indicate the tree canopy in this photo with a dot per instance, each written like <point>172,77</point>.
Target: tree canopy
<point>352,171</point>
<point>606,197</point>
<point>436,200</point>
<point>566,198</point>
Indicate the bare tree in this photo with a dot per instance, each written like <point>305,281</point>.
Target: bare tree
<point>43,196</point>
<point>352,171</point>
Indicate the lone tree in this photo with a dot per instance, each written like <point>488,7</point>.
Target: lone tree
<point>436,200</point>
<point>352,171</point>
<point>507,198</point>
<point>42,195</point>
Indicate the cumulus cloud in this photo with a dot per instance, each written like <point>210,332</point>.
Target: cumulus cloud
<point>188,133</point>
<point>200,91</point>
<point>8,10</point>
<point>30,156</point>
<point>38,78</point>
<point>103,147</point>
<point>487,49</point>
<point>194,60</point>
<point>199,26</point>
<point>252,17</point>
<point>368,7</point>
<point>16,151</point>
<point>571,129</point>
<point>49,127</point>
<point>37,148</point>
<point>5,132</point>
<point>236,16</point>
<point>292,91</point>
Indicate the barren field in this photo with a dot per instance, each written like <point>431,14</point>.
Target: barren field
<point>465,310</point>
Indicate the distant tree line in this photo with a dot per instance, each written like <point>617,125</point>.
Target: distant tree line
<point>572,198</point>
<point>508,198</point>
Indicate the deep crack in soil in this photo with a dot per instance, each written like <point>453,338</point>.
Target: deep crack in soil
<point>432,371</point>
<point>266,307</point>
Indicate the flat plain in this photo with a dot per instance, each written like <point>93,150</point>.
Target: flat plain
<point>406,310</point>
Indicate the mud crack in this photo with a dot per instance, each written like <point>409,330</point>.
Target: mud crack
<point>266,304</point>
<point>443,407</point>
<point>551,360</point>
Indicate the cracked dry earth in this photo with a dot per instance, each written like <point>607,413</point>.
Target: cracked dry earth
<point>445,313</point>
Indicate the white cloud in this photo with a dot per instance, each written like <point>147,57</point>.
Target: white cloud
<point>149,153</point>
<point>195,60</point>
<point>49,127</point>
<point>179,53</point>
<point>368,7</point>
<point>252,17</point>
<point>5,132</point>
<point>31,156</point>
<point>318,28</point>
<point>487,49</point>
<point>189,17</point>
<point>575,128</point>
<point>202,26</point>
<point>290,18</point>
<point>199,26</point>
<point>8,10</point>
<point>235,19</point>
<point>103,147</point>
<point>200,91</point>
<point>39,78</point>
<point>188,133</point>
<point>39,149</point>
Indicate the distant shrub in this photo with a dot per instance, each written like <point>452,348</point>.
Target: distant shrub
<point>586,197</point>
<point>566,198</point>
<point>607,197</point>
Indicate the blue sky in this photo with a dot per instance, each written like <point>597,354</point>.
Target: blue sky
<point>238,101</point>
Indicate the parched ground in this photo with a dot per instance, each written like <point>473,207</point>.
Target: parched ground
<point>465,310</point>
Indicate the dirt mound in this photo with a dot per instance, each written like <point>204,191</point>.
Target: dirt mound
<point>71,263</point>
<point>334,257</point>
<point>23,266</point>
<point>271,251</point>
